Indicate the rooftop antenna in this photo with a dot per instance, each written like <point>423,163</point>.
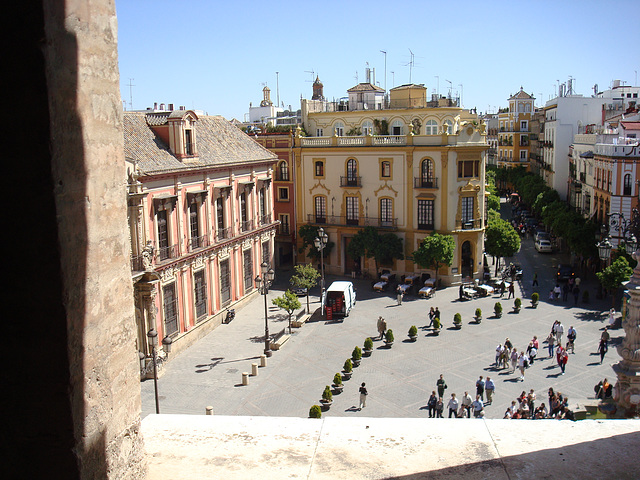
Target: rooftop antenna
<point>393,79</point>
<point>313,74</point>
<point>278,87</point>
<point>411,63</point>
<point>450,86</point>
<point>461,93</point>
<point>438,86</point>
<point>131,85</point>
<point>385,69</point>
<point>570,89</point>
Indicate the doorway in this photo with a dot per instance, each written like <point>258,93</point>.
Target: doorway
<point>467,260</point>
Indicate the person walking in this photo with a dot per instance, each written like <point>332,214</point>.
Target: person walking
<point>399,295</point>
<point>562,361</point>
<point>478,407</point>
<point>522,360</point>
<point>514,359</point>
<point>437,315</point>
<point>559,332</point>
<point>551,345</point>
<point>363,396</point>
<point>441,386</point>
<point>511,291</point>
<point>576,294</point>
<point>571,339</point>
<point>453,406</point>
<point>439,408</point>
<point>480,388</point>
<point>489,388</point>
<point>432,314</point>
<point>557,291</point>
<point>602,348</point>
<point>467,401</point>
<point>431,404</point>
<point>379,327</point>
<point>499,350</point>
<point>502,288</point>
<point>535,279</point>
<point>565,292</point>
<point>612,317</point>
<point>383,328</point>
<point>531,352</point>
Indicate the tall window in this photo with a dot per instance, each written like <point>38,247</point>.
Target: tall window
<point>367,127</point>
<point>425,215</point>
<point>468,168</point>
<point>396,128</point>
<point>386,212</point>
<point>248,270</point>
<point>319,132</point>
<point>385,167</point>
<point>188,142</point>
<point>193,225</point>
<point>225,282</point>
<point>200,294</point>
<point>284,224</point>
<point>319,168</point>
<point>321,209</point>
<point>339,129</point>
<point>467,212</point>
<point>627,184</point>
<point>283,194</point>
<point>283,171</point>
<point>431,127</point>
<point>261,206</point>
<point>352,211</point>
<point>523,154</point>
<point>163,235</point>
<point>243,212</point>
<point>170,309</point>
<point>352,172</point>
<point>266,252</point>
<point>426,173</point>
<point>220,217</point>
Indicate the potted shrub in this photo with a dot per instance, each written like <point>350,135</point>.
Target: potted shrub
<point>337,383</point>
<point>497,309</point>
<point>327,397</point>
<point>356,356</point>
<point>347,369</point>
<point>388,338</point>
<point>478,316</point>
<point>315,412</point>
<point>457,321</point>
<point>517,305</point>
<point>436,326</point>
<point>413,333</point>
<point>585,296</point>
<point>535,298</point>
<point>368,346</point>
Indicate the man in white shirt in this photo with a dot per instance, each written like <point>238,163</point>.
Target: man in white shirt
<point>467,401</point>
<point>478,407</point>
<point>559,332</point>
<point>453,406</point>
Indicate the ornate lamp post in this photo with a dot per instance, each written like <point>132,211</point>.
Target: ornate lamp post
<point>152,335</point>
<point>320,242</point>
<point>263,285</point>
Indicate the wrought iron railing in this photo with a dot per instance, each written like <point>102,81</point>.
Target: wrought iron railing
<point>420,182</point>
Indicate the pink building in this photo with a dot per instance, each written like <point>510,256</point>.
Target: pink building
<point>201,220</point>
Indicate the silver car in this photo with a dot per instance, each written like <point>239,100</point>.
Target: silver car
<point>543,246</point>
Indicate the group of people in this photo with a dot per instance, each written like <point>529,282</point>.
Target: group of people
<point>459,408</point>
<point>524,407</point>
<point>555,292</point>
<point>508,356</point>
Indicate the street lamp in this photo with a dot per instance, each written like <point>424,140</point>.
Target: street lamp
<point>265,282</point>
<point>604,249</point>
<point>320,242</point>
<point>152,335</point>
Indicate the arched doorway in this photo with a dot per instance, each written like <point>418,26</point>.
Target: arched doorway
<point>466,260</point>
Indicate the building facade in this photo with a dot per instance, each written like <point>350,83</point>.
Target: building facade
<point>201,220</point>
<point>410,171</point>
<point>514,127</point>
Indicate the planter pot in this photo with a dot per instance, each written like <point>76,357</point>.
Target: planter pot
<point>325,404</point>
<point>346,375</point>
<point>367,353</point>
<point>388,344</point>
<point>517,310</point>
<point>436,331</point>
<point>534,305</point>
<point>478,319</point>
<point>457,326</point>
<point>413,338</point>
<point>356,363</point>
<point>337,389</point>
<point>499,315</point>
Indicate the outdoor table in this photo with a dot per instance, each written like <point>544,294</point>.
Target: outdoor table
<point>384,277</point>
<point>426,291</point>
<point>404,287</point>
<point>430,282</point>
<point>486,290</point>
<point>469,292</point>
<point>379,286</point>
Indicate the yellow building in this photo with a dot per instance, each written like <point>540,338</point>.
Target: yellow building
<point>411,171</point>
<point>514,131</point>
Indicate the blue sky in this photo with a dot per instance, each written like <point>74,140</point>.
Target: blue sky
<point>216,56</point>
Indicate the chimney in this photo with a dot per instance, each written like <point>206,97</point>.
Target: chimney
<point>171,107</point>
<point>182,107</point>
<point>162,106</point>
<point>155,105</point>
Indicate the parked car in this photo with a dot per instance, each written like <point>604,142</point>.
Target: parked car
<point>299,291</point>
<point>565,272</point>
<point>543,246</point>
<point>542,236</point>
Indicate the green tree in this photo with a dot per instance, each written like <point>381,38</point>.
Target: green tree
<point>369,243</point>
<point>289,303</point>
<point>308,234</point>
<point>305,276</point>
<point>501,240</point>
<point>493,202</point>
<point>614,275</point>
<point>435,251</point>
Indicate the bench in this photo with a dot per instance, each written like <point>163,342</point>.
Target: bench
<point>279,340</point>
<point>300,319</point>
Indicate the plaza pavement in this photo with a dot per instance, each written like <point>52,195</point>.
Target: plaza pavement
<point>399,379</point>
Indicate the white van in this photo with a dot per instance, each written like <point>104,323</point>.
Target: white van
<point>340,297</point>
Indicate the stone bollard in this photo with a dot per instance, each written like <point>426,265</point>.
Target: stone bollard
<point>254,369</point>
<point>245,378</point>
<point>263,360</point>
<point>209,410</point>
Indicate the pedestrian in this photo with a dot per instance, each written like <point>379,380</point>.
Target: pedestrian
<point>363,396</point>
<point>552,395</point>
<point>535,279</point>
<point>565,291</point>
<point>480,388</point>
<point>612,318</point>
<point>467,401</point>
<point>489,388</point>
<point>577,282</point>
<point>531,352</point>
<point>453,406</point>
<point>576,294</point>
<point>478,407</point>
<point>460,292</point>
<point>563,359</point>
<point>439,408</point>
<point>551,345</point>
<point>522,361</point>
<point>379,327</point>
<point>502,288</point>
<point>432,314</point>
<point>514,359</point>
<point>602,348</point>
<point>605,334</point>
<point>552,296</point>
<point>559,332</point>
<point>441,385</point>
<point>571,338</point>
<point>431,404</point>
<point>531,399</point>
<point>511,291</point>
<point>499,350</point>
<point>508,344</point>
<point>557,291</point>
<point>437,315</point>
<point>383,328</point>
<point>535,343</point>
<point>399,294</point>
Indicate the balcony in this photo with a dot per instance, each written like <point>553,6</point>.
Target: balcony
<point>198,242</point>
<point>265,219</point>
<point>338,220</point>
<point>283,229</point>
<point>475,224</point>
<point>351,181</point>
<point>223,234</point>
<point>282,177</point>
<point>167,253</point>
<point>246,225</point>
<point>136,263</point>
<point>420,182</point>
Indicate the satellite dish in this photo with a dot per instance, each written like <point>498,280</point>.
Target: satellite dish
<point>595,89</point>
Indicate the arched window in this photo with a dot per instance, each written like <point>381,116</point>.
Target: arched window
<point>431,127</point>
<point>627,184</point>
<point>426,173</point>
<point>339,129</point>
<point>352,172</point>
<point>367,127</point>
<point>396,127</point>
<point>386,212</point>
<point>283,171</point>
